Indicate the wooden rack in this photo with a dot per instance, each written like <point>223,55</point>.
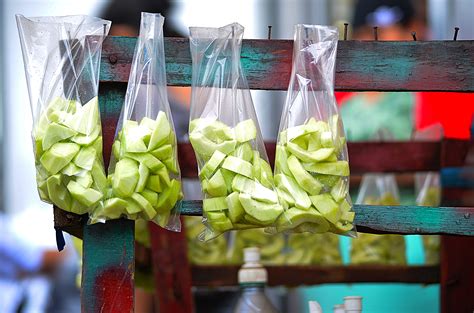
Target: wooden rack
<point>108,262</point>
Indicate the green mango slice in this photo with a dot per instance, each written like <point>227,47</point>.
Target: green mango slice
<point>327,207</point>
<point>294,217</point>
<point>161,132</point>
<point>211,166</point>
<point>245,131</point>
<point>125,177</point>
<point>86,196</point>
<point>338,168</point>
<point>58,193</point>
<point>236,210</point>
<point>304,179</point>
<point>143,173</point>
<point>289,185</point>
<point>56,133</point>
<point>214,204</point>
<point>164,152</point>
<point>238,166</point>
<point>266,213</point>
<point>216,185</point>
<point>58,156</point>
<point>85,158</point>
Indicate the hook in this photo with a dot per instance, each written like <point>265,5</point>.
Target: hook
<point>105,29</point>
<point>456,30</point>
<point>413,35</point>
<point>375,33</point>
<point>345,30</point>
<point>269,36</point>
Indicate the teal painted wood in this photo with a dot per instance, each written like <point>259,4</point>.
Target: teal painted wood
<point>397,219</point>
<point>360,66</point>
<point>108,267</point>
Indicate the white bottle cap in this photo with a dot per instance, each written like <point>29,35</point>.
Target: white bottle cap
<point>353,303</point>
<point>251,255</point>
<point>339,308</point>
<point>315,307</point>
<point>252,271</point>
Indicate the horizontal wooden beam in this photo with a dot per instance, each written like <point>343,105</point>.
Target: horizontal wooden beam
<point>360,65</point>
<point>293,276</point>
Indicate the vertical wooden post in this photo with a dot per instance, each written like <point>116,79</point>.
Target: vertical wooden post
<point>171,270</point>
<point>457,258</point>
<point>108,251</point>
<point>108,267</point>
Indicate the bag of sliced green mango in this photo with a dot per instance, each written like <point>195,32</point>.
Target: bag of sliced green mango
<point>317,249</point>
<point>428,193</point>
<point>271,246</point>
<point>236,178</point>
<point>378,189</point>
<point>311,162</point>
<point>61,57</point>
<point>203,253</point>
<point>144,176</point>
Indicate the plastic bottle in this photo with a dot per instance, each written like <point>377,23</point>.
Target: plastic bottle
<point>353,304</point>
<point>252,281</point>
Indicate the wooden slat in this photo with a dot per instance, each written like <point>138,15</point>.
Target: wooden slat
<point>293,276</point>
<point>108,267</point>
<point>396,220</point>
<point>361,65</point>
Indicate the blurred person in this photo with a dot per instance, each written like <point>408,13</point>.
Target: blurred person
<point>30,265</point>
<point>364,114</point>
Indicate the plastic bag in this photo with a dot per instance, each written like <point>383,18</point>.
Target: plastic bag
<point>62,57</point>
<point>203,253</point>
<point>144,174</point>
<point>236,178</point>
<point>316,249</point>
<point>311,165</point>
<point>378,189</point>
<point>271,246</point>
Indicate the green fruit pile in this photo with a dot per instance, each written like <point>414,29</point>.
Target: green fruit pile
<point>203,253</point>
<point>312,183</point>
<point>142,183</point>
<point>68,155</point>
<point>379,249</point>
<point>236,180</point>
<point>313,249</point>
<point>271,246</point>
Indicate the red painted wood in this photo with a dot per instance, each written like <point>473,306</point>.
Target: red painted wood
<point>171,270</point>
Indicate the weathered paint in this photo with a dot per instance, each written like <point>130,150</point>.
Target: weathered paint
<point>360,65</point>
<point>457,177</point>
<point>108,267</point>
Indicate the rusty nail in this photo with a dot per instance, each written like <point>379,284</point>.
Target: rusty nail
<point>113,59</point>
<point>345,30</point>
<point>376,36</point>
<point>413,35</point>
<point>269,32</point>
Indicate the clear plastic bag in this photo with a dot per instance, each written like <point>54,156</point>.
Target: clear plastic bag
<point>62,57</point>
<point>144,176</point>
<point>236,178</point>
<point>311,165</point>
<point>378,189</point>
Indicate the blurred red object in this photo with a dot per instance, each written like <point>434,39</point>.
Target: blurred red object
<point>454,111</point>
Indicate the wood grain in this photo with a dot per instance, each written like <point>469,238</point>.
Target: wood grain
<point>360,65</point>
<point>294,276</point>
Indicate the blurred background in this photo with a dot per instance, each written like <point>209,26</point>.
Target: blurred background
<point>32,282</point>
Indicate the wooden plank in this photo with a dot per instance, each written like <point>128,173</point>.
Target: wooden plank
<point>396,219</point>
<point>171,270</point>
<point>294,275</point>
<point>108,267</point>
<point>360,66</point>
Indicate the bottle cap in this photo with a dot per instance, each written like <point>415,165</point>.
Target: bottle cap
<point>353,303</point>
<point>251,255</point>
<point>252,271</point>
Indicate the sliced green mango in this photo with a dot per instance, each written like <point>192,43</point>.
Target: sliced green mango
<point>294,217</point>
<point>326,139</point>
<point>79,208</point>
<point>161,132</point>
<point>164,152</point>
<point>303,178</point>
<point>58,156</point>
<point>86,140</point>
<point>338,168</point>
<point>145,205</point>
<point>214,204</point>
<point>228,178</point>
<point>236,210</point>
<point>86,196</point>
<point>244,152</point>
<point>148,123</point>
<point>58,192</point>
<point>211,166</point>
<point>219,223</point>
<point>150,196</point>
<point>348,216</point>
<point>309,156</point>
<point>266,174</point>
<point>327,207</point>
<point>98,175</point>
<point>340,190</point>
<point>38,146</point>
<point>171,165</point>
<point>143,173</point>
<point>254,189</point>
<point>205,147</point>
<point>341,227</point>
<point>146,158</point>
<point>154,183</point>
<point>281,160</point>
<point>164,176</point>
<point>133,138</point>
<point>85,158</point>
<point>43,190</point>
<point>85,180</point>
<point>253,221</point>
<point>168,198</point>
<point>261,211</point>
<point>314,142</point>
<point>238,166</point>
<point>216,185</point>
<point>116,149</point>
<point>55,133</point>
<point>114,208</point>
<point>125,177</point>
<point>215,131</point>
<point>71,170</point>
<point>86,118</point>
<point>245,131</point>
<point>327,180</point>
<point>289,185</point>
